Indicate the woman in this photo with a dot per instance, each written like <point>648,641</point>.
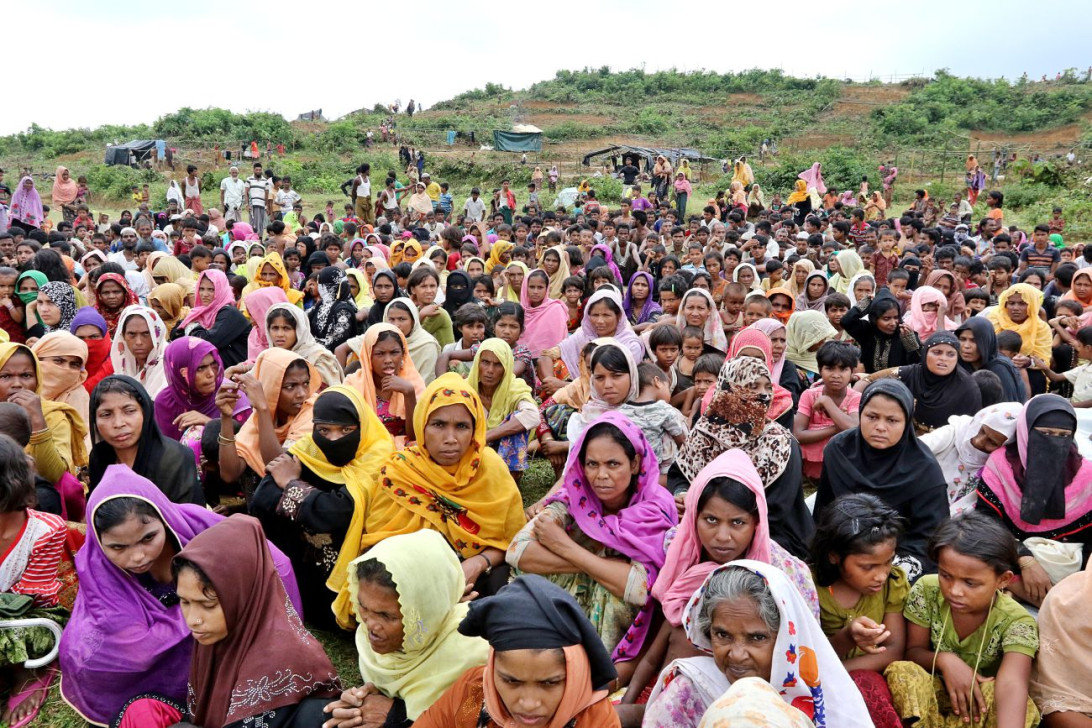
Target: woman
<point>783,373</point>
<point>962,446</point>
<point>65,192</point>
<point>215,318</point>
<point>358,288</point>
<point>112,296</point>
<point>978,350</point>
<point>169,269</point>
<point>514,274</point>
<point>138,348</point>
<point>800,200</point>
<point>387,380</point>
<point>1040,487</point>
<point>798,281</point>
<point>62,361</point>
<point>805,332</point>
<point>423,288</point>
<point>538,636</point>
<point>737,418</point>
<point>384,290</point>
<point>555,262</point>
<point>1018,310</point>
<point>422,348</point>
<point>195,374</point>
<point>313,500</point>
<point>510,409</point>
<point>333,319</point>
<point>815,290</point>
<point>884,457</point>
<point>786,648</point>
<point>1059,675</point>
<point>499,255</point>
<point>649,310</point>
<point>169,301</point>
<point>90,327</point>
<point>127,636</point>
<point>55,307</point>
<point>698,309</point>
<point>450,482</point>
<point>885,341</point>
<point>256,306</point>
<point>600,537</point>
<point>25,209</point>
<point>928,312</point>
<point>272,273</point>
<point>545,319</point>
<point>949,286</point>
<point>753,342</point>
<point>747,276</point>
<point>287,327</point>
<point>861,286</point>
<point>848,264</point>
<point>875,207</point>
<point>603,316</point>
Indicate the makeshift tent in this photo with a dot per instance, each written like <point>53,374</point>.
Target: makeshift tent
<point>645,157</point>
<point>517,141</point>
<point>131,153</point>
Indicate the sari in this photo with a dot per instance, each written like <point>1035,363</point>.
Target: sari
<point>813,177</point>
<point>319,356</point>
<point>545,325</point>
<point>956,303</point>
<point>26,205</point>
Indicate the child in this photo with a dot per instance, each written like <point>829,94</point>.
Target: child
<point>885,259</point>
<point>977,300</point>
<point>470,322</point>
<point>652,412</point>
<point>508,327</point>
<point>714,264</point>
<point>693,344</point>
<point>671,292</point>
<point>1056,224</point>
<point>1079,377</point>
<point>836,306</point>
<point>665,343</point>
<point>731,313</point>
<point>964,630</point>
<point>862,593</point>
<point>1000,268</point>
<point>775,272</point>
<point>706,369</point>
<point>1009,344</point>
<point>829,406</point>
<point>756,308</point>
<point>572,288</point>
<point>11,312</point>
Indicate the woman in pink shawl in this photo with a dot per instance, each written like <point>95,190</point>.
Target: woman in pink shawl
<point>545,320</point>
<point>257,304</point>
<point>65,192</point>
<point>814,178</point>
<point>25,209</point>
<point>608,256</point>
<point>215,318</point>
<point>927,312</point>
<point>754,342</point>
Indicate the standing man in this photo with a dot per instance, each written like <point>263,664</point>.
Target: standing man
<point>258,190</point>
<point>232,192</point>
<point>361,193</point>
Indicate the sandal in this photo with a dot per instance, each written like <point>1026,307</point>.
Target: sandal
<point>39,686</point>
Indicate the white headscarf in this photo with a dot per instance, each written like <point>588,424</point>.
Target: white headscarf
<point>713,333</point>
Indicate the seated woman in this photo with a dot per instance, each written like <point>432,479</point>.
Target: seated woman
<point>287,327</point>
<point>55,308</point>
<point>1040,487</point>
<point>815,288</point>
<point>940,387</point>
<point>876,325</point>
<point>215,318</point>
<point>423,349</point>
<point>805,332</point>
<point>755,343</point>
<point>387,380</point>
<point>510,409</point>
<point>422,287</point>
<point>57,429</point>
<point>783,372</point>
<point>1059,678</point>
<point>724,519</point>
<point>32,546</point>
<point>546,665</point>
<point>138,348</point>
<point>169,301</point>
<point>272,273</point>
<point>255,308</point>
<point>194,375</point>
<point>1018,310</point>
<point>112,296</point>
<point>407,596</point>
<point>124,431</point>
<point>127,636</point>
<point>451,482</point>
<point>597,536</point>
<point>615,381</point>
<point>978,350</point>
<point>698,309</point>
<point>314,497</point>
<point>962,446</point>
<point>884,457</point>
<point>736,419</point>
<point>62,360</point>
<point>545,319</point>
<point>279,387</point>
<point>90,327</point>
<point>750,621</point>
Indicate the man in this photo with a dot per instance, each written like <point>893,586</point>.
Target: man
<point>258,190</point>
<point>474,207</point>
<point>507,202</point>
<point>126,256</point>
<point>144,235</point>
<point>360,191</point>
<point>629,173</point>
<point>431,188</point>
<point>965,209</point>
<point>287,197</point>
<point>232,190</point>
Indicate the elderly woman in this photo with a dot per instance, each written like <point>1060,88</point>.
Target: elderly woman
<point>751,623</point>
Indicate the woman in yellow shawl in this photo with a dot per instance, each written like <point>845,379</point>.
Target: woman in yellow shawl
<point>313,502</point>
<point>387,379</point>
<point>451,482</point>
<point>500,254</point>
<point>514,281</point>
<point>555,261</point>
<point>362,295</point>
<point>169,301</point>
<point>742,172</point>
<point>270,271</point>
<point>62,359</point>
<point>799,193</point>
<point>475,262</point>
<point>412,251</point>
<point>171,270</point>
<point>849,264</point>
<point>1018,310</point>
<point>511,412</point>
<point>57,430</point>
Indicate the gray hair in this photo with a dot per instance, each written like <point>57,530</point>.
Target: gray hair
<point>737,582</point>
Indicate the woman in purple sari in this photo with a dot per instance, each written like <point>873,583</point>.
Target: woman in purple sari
<point>127,637</point>
<point>195,373</point>
<point>641,310</point>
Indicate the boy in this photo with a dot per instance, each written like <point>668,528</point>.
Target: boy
<point>446,203</point>
<point>665,342</point>
<point>200,259</point>
<point>829,406</point>
<point>977,300</point>
<point>1057,222</point>
<point>885,259</point>
<point>1000,268</point>
<point>1009,344</point>
<point>145,196</point>
<point>470,322</point>
<point>775,272</point>
<point>694,259</point>
<point>897,282</point>
<point>858,227</point>
<point>706,370</point>
<point>731,314</point>
<point>662,424</point>
<point>1080,377</point>
<point>836,306</point>
<point>755,308</point>
<point>573,291</point>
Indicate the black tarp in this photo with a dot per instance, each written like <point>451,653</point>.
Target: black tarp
<point>514,141</point>
<point>130,152</point>
<point>645,156</point>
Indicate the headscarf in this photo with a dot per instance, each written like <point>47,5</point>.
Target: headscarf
<point>499,248</point>
<point>649,308</point>
<point>98,364</point>
<point>507,293</point>
<point>1040,484</point>
<point>421,346</point>
<point>814,178</point>
<point>459,290</point>
<point>430,584</point>
<point>849,265</point>
<point>174,271</point>
<point>557,280</point>
<point>536,614</point>
<point>802,264</point>
<point>756,284</point>
<point>205,316</point>
<point>608,258</point>
<point>377,314</point>
<point>753,338</point>
<point>985,339</point>
<point>547,324</point>
<point>853,285</point>
<point>363,298</point>
<point>268,660</point>
<point>783,291</point>
<point>171,297</point>
<point>1059,676</point>
<point>509,392</point>
<point>684,571</point>
<point>467,261</point>
<point>736,418</point>
<point>316,258</point>
<point>26,205</point>
<point>151,376</point>
<point>334,297</point>
<point>713,331</point>
<point>269,369</point>
<point>956,303</point>
<point>306,346</point>
<point>63,297</point>
<point>799,193</point>
<point>121,640</point>
<point>751,702</point>
<point>803,303</point>
<point>38,277</point>
<point>241,231</point>
<point>474,505</point>
<point>362,381</point>
<point>181,360</point>
<point>257,304</point>
<point>64,193</point>
<point>595,405</point>
<point>923,323</point>
<point>574,344</point>
<point>804,330</point>
<point>113,316</point>
<point>637,530</point>
<point>1035,332</point>
<point>1071,294</point>
<point>273,258</point>
<point>61,383</point>
<point>770,326</point>
<point>939,397</point>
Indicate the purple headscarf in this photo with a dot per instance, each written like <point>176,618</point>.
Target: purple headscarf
<point>650,308</point>
<point>180,396</point>
<point>121,641</point>
<point>572,346</point>
<point>88,316</point>
<point>609,257</point>
<point>26,205</point>
<point>637,531</point>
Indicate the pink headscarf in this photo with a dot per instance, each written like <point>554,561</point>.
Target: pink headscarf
<point>257,303</point>
<point>545,325</point>
<point>927,324</point>
<point>241,231</point>
<point>814,178</point>
<point>753,338</point>
<point>26,205</point>
<point>221,298</point>
<point>768,326</point>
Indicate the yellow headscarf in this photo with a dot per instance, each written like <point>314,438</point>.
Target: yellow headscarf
<point>474,505</point>
<point>509,293</point>
<point>510,391</point>
<point>849,265</point>
<point>172,269</point>
<point>468,261</point>
<point>363,299</point>
<point>1034,331</point>
<point>804,330</point>
<point>499,248</point>
<point>171,297</point>
<point>412,246</point>
<point>396,252</point>
<point>799,193</point>
<point>274,259</point>
<point>557,280</point>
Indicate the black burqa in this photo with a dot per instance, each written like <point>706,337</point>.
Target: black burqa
<point>879,350</point>
<point>1012,386</point>
<point>379,308</point>
<point>939,396</point>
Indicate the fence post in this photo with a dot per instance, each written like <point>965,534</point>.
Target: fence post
<point>944,162</point>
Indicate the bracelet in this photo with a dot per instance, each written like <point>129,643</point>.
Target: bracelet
<point>488,565</point>
<point>225,440</point>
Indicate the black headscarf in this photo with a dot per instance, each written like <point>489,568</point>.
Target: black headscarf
<point>936,397</point>
<point>914,274</point>
<point>878,350</point>
<point>1012,386</point>
<point>335,408</point>
<point>316,258</point>
<point>378,310</point>
<point>165,462</point>
<point>455,297</point>
<point>532,613</point>
<point>1052,461</point>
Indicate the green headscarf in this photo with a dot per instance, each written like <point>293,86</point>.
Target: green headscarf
<point>38,277</point>
<point>1056,239</point>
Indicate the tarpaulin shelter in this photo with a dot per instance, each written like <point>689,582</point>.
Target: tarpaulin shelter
<point>131,153</point>
<point>644,157</point>
<point>522,138</point>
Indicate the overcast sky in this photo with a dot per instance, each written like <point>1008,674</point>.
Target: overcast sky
<point>98,63</point>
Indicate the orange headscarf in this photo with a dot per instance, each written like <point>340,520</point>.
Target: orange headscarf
<point>784,291</point>
<point>361,380</point>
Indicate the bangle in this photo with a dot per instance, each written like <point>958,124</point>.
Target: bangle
<point>488,565</point>
<point>225,440</point>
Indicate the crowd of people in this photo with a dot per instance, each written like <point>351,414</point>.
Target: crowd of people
<point>814,462</point>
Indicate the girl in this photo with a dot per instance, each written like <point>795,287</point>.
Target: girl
<point>574,301</point>
<point>287,327</point>
<point>422,348</point>
<point>55,307</point>
<point>964,630</point>
<point>745,274</point>
<point>508,401</point>
<point>614,381</point>
<point>423,286</point>
<point>387,379</point>
<point>692,347</point>
<point>641,310</point>
<point>885,341</point>
<point>555,262</point>
<point>216,319</point>
<point>862,594</point>
<point>545,320</point>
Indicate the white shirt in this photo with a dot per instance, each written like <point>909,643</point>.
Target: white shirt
<point>475,209</point>
<point>364,187</point>
<point>287,199</point>
<point>119,258</point>
<point>233,190</point>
